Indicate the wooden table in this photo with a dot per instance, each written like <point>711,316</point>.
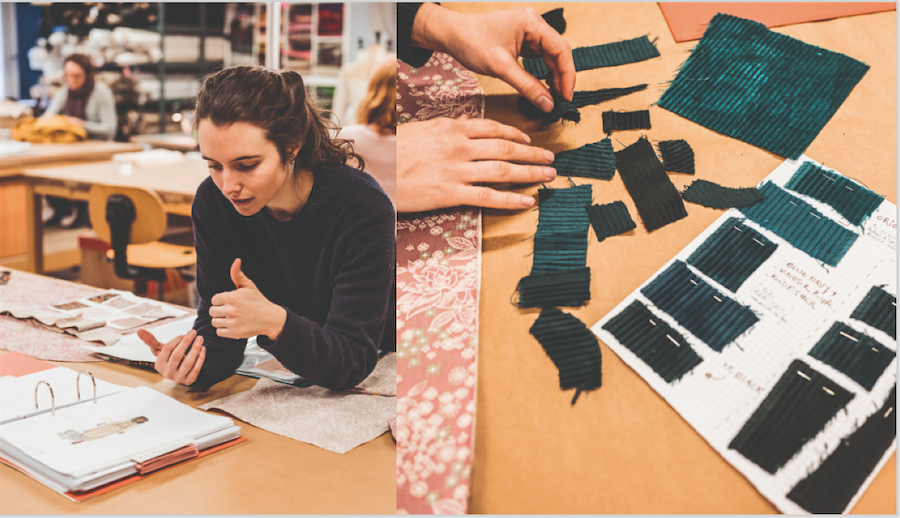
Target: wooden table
<point>623,449</point>
<point>176,141</point>
<point>176,184</point>
<point>267,474</point>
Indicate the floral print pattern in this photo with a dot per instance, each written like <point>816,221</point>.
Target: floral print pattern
<point>440,88</point>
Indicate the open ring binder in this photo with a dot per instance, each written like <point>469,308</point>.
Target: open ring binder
<point>52,397</point>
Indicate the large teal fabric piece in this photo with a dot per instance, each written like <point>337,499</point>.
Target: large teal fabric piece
<point>761,87</point>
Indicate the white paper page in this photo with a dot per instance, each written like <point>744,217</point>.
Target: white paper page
<point>133,348</point>
<point>17,393</point>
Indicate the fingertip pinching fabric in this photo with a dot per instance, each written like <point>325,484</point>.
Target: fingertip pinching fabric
<point>878,309</point>
<point>610,219</point>
<point>564,109</point>
<point>849,199</point>
<point>596,160</point>
<point>572,347</point>
<point>598,56</point>
<point>655,196</point>
<point>732,253</point>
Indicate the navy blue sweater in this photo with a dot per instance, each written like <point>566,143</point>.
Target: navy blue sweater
<point>331,267</point>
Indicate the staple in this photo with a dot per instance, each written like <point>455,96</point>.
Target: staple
<point>889,410</point>
<point>693,282</point>
<point>827,178</point>
<point>758,241</point>
<point>652,322</point>
<point>848,336</point>
<point>717,298</point>
<point>874,349</point>
<point>827,391</point>
<point>674,341</point>
<point>814,215</point>
<point>803,376</point>
<point>739,230</point>
<point>848,188</point>
<point>792,203</point>
<point>894,303</point>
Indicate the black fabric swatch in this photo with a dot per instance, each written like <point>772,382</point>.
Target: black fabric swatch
<point>611,219</point>
<point>656,198</point>
<point>619,121</point>
<point>855,354</point>
<point>598,56</point>
<point>579,100</point>
<point>596,160</point>
<point>677,155</point>
<point>560,288</point>
<point>732,253</point>
<point>830,488</point>
<point>555,19</point>
<point>795,411</point>
<point>572,347</point>
<point>651,339</point>
<point>562,109</point>
<point>879,310</point>
<point>716,196</point>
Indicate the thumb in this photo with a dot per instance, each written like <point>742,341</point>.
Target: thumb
<point>238,278</point>
<point>529,86</point>
<point>150,340</point>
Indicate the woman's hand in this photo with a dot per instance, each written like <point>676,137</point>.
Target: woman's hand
<point>491,44</point>
<point>172,361</point>
<point>245,312</point>
<point>441,162</point>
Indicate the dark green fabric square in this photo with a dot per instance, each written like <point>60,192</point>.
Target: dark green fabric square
<point>596,160</point>
<point>677,156</point>
<point>611,219</point>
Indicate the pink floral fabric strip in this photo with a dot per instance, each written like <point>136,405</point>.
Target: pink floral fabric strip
<point>438,280</point>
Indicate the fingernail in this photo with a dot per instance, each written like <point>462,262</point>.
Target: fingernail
<point>527,138</point>
<point>527,201</point>
<point>548,156</point>
<point>545,104</point>
<point>549,173</point>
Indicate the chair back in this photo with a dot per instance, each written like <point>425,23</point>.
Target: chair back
<point>149,222</point>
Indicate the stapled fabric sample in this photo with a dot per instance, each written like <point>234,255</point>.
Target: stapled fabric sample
<point>597,160</point>
<point>579,100</point>
<point>560,288</point>
<point>732,253</point>
<point>829,489</point>
<point>677,155</point>
<point>573,349</point>
<point>560,242</point>
<point>611,219</point>
<point>620,121</point>
<point>662,348</point>
<point>656,198</point>
<point>800,224</point>
<point>710,315</point>
<point>849,199</point>
<point>555,19</point>
<point>855,354</point>
<point>606,55</point>
<point>797,408</point>
<point>761,87</point>
<point>716,196</point>
<point>879,310</point>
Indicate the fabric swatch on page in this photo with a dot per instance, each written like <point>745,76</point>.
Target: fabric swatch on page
<point>559,288</point>
<point>677,156</point>
<point>655,196</point>
<point>710,315</point>
<point>878,309</point>
<point>800,224</point>
<point>796,410</point>
<point>764,88</point>
<point>732,253</point>
<point>622,121</point>
<point>830,488</point>
<point>573,349</point>
<point>855,354</point>
<point>849,199</point>
<point>560,242</point>
<point>555,19</point>
<point>579,100</point>
<point>611,219</point>
<point>716,196</point>
<point>598,56</point>
<point>655,342</point>
<point>596,160</point>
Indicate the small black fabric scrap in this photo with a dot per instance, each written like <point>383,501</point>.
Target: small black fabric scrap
<point>677,155</point>
<point>597,160</point>
<point>579,100</point>
<point>611,219</point>
<point>606,55</point>
<point>561,288</point>
<point>655,196</point>
<point>573,349</point>
<point>562,109</point>
<point>830,488</point>
<point>879,310</point>
<point>555,19</point>
<point>855,354</point>
<point>795,411</point>
<point>620,121</point>
<point>716,196</point>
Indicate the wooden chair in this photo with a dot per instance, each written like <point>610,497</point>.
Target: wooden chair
<point>132,220</point>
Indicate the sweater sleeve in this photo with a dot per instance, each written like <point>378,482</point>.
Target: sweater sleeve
<point>412,56</point>
<point>57,103</point>
<point>102,106</point>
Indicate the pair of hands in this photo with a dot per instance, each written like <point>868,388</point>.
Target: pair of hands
<point>442,162</point>
<point>241,313</point>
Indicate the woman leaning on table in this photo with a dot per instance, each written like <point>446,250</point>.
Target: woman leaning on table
<point>84,101</point>
<point>292,244</point>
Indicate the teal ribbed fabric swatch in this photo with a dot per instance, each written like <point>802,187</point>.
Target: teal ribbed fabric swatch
<point>655,196</point>
<point>573,349</point>
<point>621,121</point>
<point>800,224</point>
<point>716,196</point>
<point>798,407</point>
<point>677,155</point>
<point>555,19</point>
<point>878,309</point>
<point>597,160</point>
<point>579,100</point>
<point>761,87</point>
<point>606,55</point>
<point>655,342</point>
<point>849,199</point>
<point>560,242</point>
<point>732,253</point>
<point>611,219</point>
<point>560,288</point>
<point>855,354</point>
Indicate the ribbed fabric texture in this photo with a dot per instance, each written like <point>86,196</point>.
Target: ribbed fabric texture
<point>621,121</point>
<point>598,56</point>
<point>716,196</point>
<point>677,155</point>
<point>611,219</point>
<point>879,310</point>
<point>651,339</point>
<point>656,198</point>
<point>562,109</point>
<point>761,87</point>
<point>597,160</point>
<point>560,242</point>
<point>798,408</point>
<point>556,20</point>
<point>562,288</point>
<point>830,488</point>
<point>710,315</point>
<point>732,253</point>
<point>579,100</point>
<point>573,349</point>
<point>800,224</point>
<point>849,199</point>
<point>855,354</point>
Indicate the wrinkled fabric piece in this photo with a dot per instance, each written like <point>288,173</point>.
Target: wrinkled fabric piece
<point>677,156</point>
<point>655,196</point>
<point>579,100</point>
<point>560,242</point>
<point>573,349</point>
<point>598,56</point>
<point>717,196</point>
<point>596,160</point>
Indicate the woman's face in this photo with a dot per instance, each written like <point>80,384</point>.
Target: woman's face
<point>74,75</point>
<point>244,165</point>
